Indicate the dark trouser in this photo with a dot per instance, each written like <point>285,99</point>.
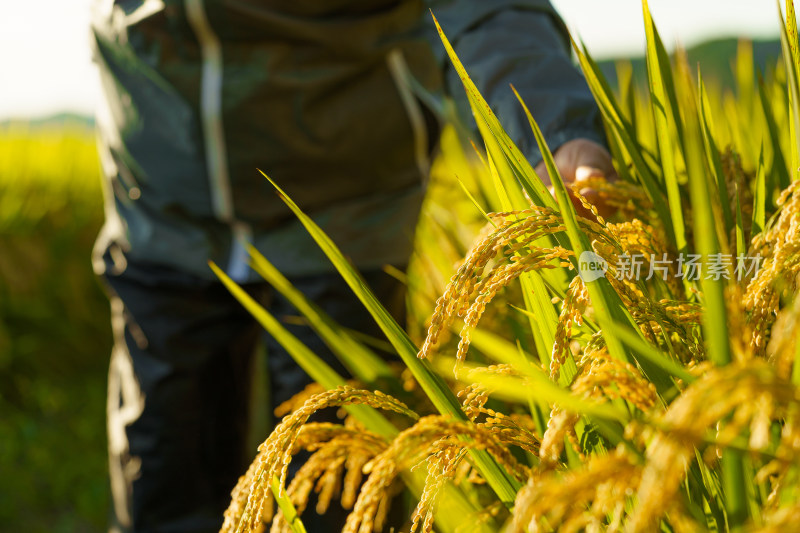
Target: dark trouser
<point>179,390</point>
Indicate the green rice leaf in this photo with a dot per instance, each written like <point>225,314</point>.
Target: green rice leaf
<point>789,45</point>
<point>498,143</point>
<point>504,485</point>
<point>760,197</point>
<point>475,202</point>
<point>605,301</point>
<point>285,505</point>
<point>779,166</point>
<point>456,506</point>
<point>613,116</point>
<point>664,107</point>
<point>362,362</point>
<point>310,362</point>
<point>715,321</point>
<point>714,159</point>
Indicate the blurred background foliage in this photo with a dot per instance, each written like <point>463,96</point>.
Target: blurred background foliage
<point>54,331</point>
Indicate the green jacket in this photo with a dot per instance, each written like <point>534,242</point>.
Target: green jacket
<point>336,100</point>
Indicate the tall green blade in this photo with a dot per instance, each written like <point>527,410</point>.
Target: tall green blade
<point>310,362</point>
<point>664,107</point>
<point>286,507</point>
<point>627,91</point>
<point>779,166</point>
<point>745,103</point>
<point>455,505</point>
<point>611,112</point>
<point>362,362</point>
<point>497,140</point>
<point>760,197</point>
<point>789,45</point>
<point>606,302</point>
<point>435,388</point>
<point>627,95</point>
<point>510,170</point>
<point>715,322</point>
<point>714,160</point>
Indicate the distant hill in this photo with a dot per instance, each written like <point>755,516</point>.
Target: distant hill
<point>715,58</point>
<point>59,120</point>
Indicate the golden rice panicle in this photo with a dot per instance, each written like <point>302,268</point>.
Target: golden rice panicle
<point>560,424</point>
<point>441,443</point>
<point>312,470</point>
<point>237,509</point>
<point>636,237</point>
<point>515,231</point>
<point>512,430</point>
<point>405,450</point>
<point>280,444</point>
<point>720,393</point>
<point>591,498</point>
<point>371,505</point>
<point>658,318</point>
<point>473,398</point>
<point>630,200</point>
<point>450,304</point>
<point>576,188</point>
<point>340,459</point>
<point>439,432</point>
<point>463,436</point>
<point>501,277</point>
<point>356,461</point>
<point>275,452</point>
<point>442,467</point>
<point>599,377</point>
<point>779,248</point>
<point>572,308</point>
<point>303,482</point>
<point>602,376</point>
<point>329,484</point>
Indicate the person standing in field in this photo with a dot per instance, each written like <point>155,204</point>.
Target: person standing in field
<point>338,102</point>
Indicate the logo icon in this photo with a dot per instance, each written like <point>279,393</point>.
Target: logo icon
<point>591,266</point>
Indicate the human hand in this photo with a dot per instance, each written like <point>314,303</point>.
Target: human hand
<point>578,160</point>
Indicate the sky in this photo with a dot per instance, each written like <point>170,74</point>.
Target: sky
<point>45,60</point>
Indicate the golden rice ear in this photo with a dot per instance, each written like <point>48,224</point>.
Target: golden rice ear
<point>592,497</point>
<point>572,309</point>
<point>778,248</point>
<point>275,453</point>
<point>744,395</point>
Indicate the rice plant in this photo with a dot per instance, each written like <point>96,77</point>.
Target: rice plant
<point>649,382</point>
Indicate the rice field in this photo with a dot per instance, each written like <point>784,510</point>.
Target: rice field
<point>54,334</point>
<point>560,372</point>
<point>649,381</point>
